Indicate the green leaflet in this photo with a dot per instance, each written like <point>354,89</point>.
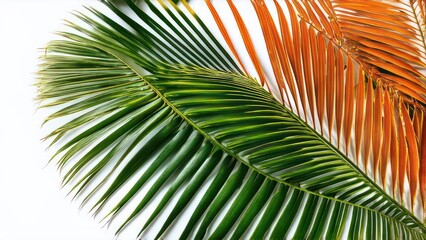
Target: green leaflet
<point>199,118</point>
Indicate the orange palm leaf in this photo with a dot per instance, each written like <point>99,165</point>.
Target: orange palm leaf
<point>379,49</point>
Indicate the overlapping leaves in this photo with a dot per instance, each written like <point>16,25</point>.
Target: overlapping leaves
<point>176,106</point>
<point>317,61</point>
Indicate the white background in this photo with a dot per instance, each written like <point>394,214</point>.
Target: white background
<point>31,204</point>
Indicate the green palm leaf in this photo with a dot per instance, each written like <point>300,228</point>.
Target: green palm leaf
<point>160,105</point>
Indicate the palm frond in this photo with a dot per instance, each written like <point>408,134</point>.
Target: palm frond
<point>316,69</point>
<point>394,52</point>
<point>415,11</point>
<point>159,101</point>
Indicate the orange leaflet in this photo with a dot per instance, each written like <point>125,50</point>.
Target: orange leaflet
<point>389,59</point>
<point>285,29</point>
<point>225,34</point>
<point>267,27</point>
<point>394,149</point>
<point>356,33</point>
<point>330,86</point>
<point>323,19</point>
<point>414,59</point>
<point>317,68</point>
<point>399,27</point>
<point>377,129</point>
<point>422,6</point>
<point>407,77</point>
<point>402,165</point>
<point>413,153</point>
<point>410,91</point>
<point>368,124</point>
<point>300,9</point>
<point>327,6</point>
<point>360,112</point>
<point>248,43</point>
<point>320,78</point>
<point>417,116</point>
<point>296,64</point>
<point>312,17</point>
<point>307,66</point>
<point>286,53</point>
<point>337,30</point>
<point>387,135</point>
<point>388,17</point>
<point>367,6</point>
<point>340,90</point>
<point>349,102</point>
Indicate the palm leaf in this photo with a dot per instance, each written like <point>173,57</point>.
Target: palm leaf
<point>395,51</point>
<point>313,53</point>
<point>173,109</point>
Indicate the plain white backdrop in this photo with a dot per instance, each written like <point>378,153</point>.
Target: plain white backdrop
<point>31,204</point>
